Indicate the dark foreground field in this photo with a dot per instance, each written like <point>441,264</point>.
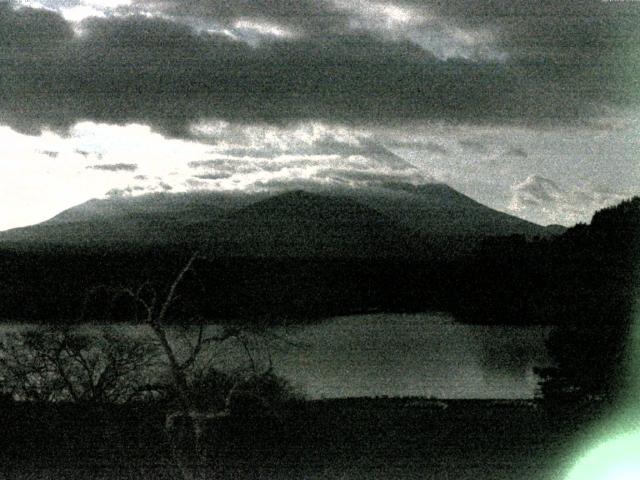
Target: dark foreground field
<point>337,439</point>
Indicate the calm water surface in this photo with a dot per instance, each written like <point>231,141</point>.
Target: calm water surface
<point>398,355</point>
<point>424,354</point>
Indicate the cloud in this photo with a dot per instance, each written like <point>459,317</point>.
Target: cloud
<point>368,179</point>
<point>546,202</point>
<point>171,64</point>
<point>254,31</point>
<point>315,153</point>
<point>434,147</point>
<point>214,176</point>
<point>257,21</point>
<point>115,167</point>
<point>50,153</point>
<point>227,164</point>
<point>236,157</point>
<point>419,25</point>
<point>31,29</point>
<point>138,189</point>
<point>233,157</point>
<point>473,146</point>
<point>516,152</point>
<point>123,192</point>
<point>311,17</point>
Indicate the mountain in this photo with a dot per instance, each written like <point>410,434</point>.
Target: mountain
<point>149,220</point>
<point>292,254</point>
<point>386,220</point>
<point>438,210</point>
<point>303,224</point>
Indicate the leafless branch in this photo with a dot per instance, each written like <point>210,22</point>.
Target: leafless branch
<point>172,290</point>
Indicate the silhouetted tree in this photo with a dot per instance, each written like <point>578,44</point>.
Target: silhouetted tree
<point>589,346</point>
<point>204,395</point>
<point>64,364</point>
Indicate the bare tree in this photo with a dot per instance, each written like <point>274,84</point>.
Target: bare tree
<point>189,352</point>
<point>110,365</point>
<point>60,363</point>
<point>155,314</point>
<point>153,311</point>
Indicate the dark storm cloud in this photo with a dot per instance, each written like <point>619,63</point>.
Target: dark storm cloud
<point>115,167</point>
<point>317,17</point>
<point>30,29</point>
<point>167,74</point>
<point>550,28</point>
<point>582,50</point>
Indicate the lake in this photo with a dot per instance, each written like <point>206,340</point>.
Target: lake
<point>418,354</point>
<point>397,355</point>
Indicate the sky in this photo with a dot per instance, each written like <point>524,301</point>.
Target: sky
<point>532,108</point>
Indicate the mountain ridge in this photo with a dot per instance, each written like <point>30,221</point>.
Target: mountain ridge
<point>385,218</point>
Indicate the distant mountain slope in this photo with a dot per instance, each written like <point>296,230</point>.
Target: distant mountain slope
<point>303,224</point>
<point>383,220</point>
<point>438,209</point>
<point>188,206</point>
<point>147,220</point>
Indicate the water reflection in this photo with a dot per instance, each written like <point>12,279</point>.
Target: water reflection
<point>389,354</point>
<point>424,354</point>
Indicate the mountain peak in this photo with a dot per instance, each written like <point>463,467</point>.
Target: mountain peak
<point>378,216</point>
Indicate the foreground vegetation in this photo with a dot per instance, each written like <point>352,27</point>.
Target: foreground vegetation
<point>331,439</point>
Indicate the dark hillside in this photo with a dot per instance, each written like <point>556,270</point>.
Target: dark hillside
<point>297,254</point>
<point>434,211</point>
<point>583,281</point>
<point>307,225</point>
<point>348,439</point>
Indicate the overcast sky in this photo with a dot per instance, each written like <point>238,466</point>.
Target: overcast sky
<point>529,107</point>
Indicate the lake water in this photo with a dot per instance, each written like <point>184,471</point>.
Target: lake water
<point>423,354</point>
<point>399,355</point>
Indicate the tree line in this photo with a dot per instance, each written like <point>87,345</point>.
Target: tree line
<point>583,282</point>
